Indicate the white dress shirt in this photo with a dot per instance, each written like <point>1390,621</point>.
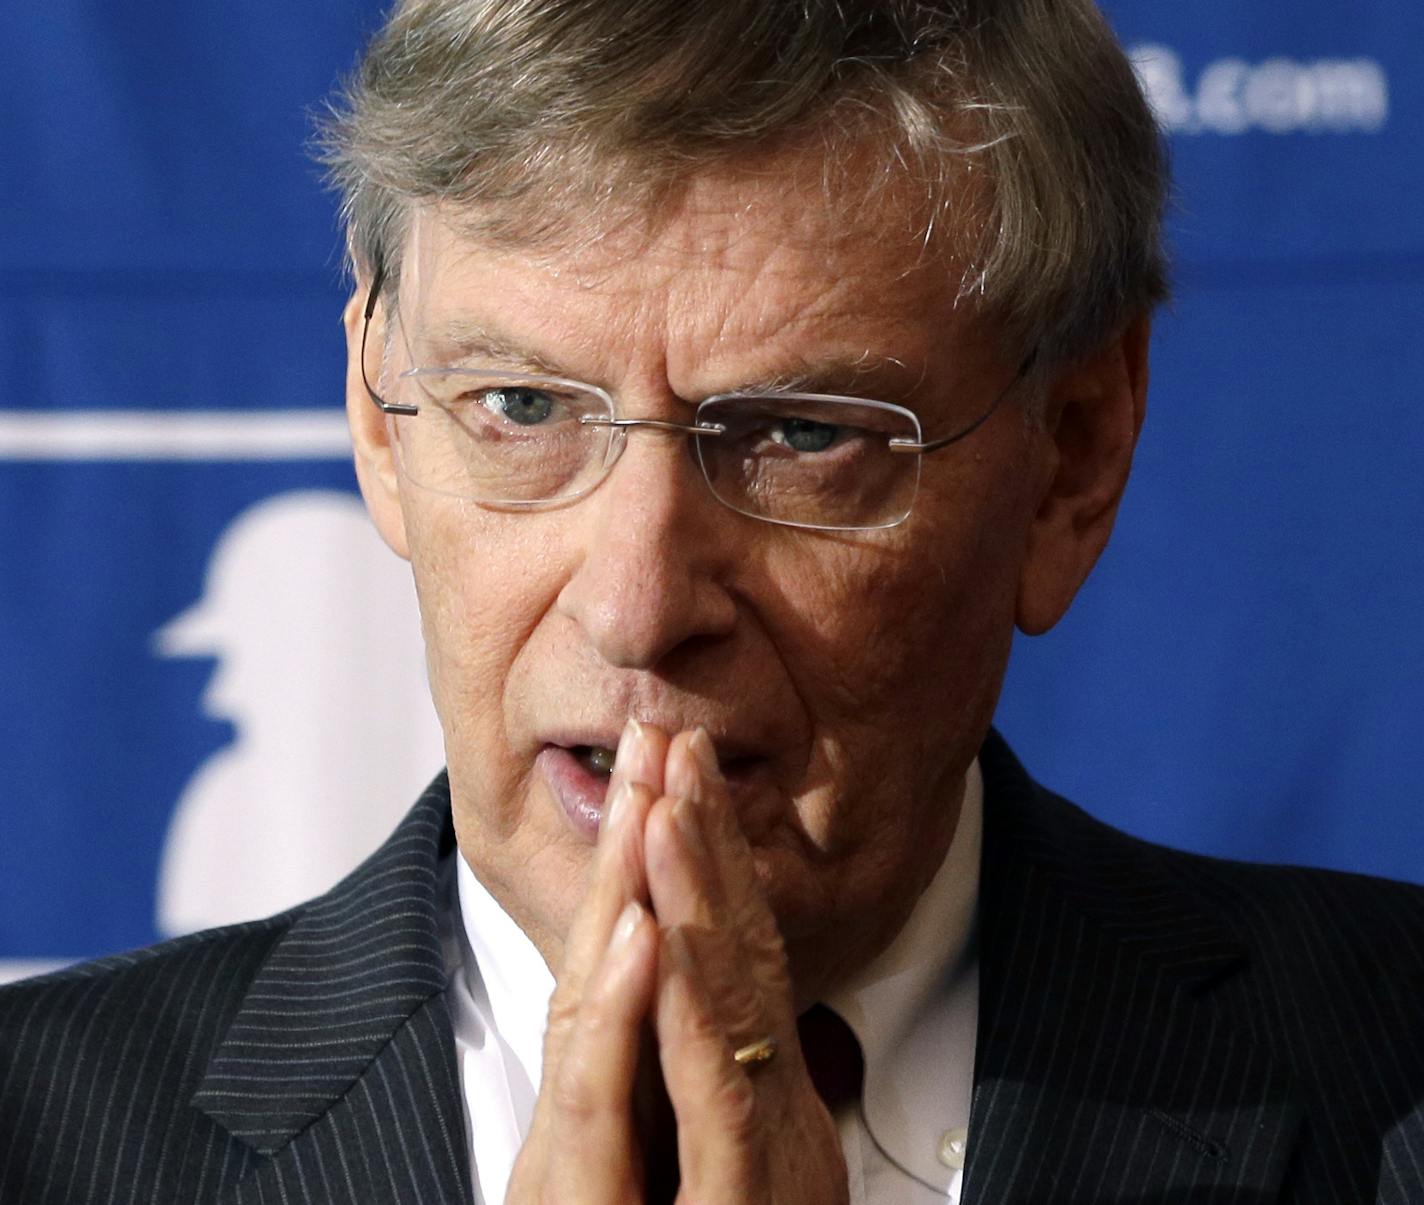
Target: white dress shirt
<point>499,1000</point>
<point>914,1010</point>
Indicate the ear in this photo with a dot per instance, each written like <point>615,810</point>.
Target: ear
<point>1093,415</point>
<point>371,432</point>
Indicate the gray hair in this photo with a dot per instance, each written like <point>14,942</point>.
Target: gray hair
<point>1019,124</point>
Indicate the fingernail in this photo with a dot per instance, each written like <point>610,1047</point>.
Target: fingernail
<point>617,806</point>
<point>630,748</point>
<point>627,925</point>
<point>706,755</point>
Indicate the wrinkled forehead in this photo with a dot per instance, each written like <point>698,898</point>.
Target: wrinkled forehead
<point>772,270</point>
<point>805,199</point>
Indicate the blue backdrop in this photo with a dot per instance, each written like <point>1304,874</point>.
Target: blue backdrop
<point>1244,674</point>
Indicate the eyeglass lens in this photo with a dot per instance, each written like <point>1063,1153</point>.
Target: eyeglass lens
<point>502,440</point>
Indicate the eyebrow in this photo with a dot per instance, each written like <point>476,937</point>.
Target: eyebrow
<point>462,338</point>
<point>848,375</point>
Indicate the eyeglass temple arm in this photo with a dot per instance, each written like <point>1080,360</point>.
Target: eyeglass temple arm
<point>389,407</point>
<point>934,445</point>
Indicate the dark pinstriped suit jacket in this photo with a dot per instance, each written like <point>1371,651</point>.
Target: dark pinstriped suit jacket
<point>1154,1027</point>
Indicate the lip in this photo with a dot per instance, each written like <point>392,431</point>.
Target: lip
<point>581,794</point>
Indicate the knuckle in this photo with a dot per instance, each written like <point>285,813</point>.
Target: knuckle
<point>576,1096</point>
<point>765,951</point>
<point>742,1007</point>
<point>736,1106</point>
<point>763,939</point>
<point>563,1009</point>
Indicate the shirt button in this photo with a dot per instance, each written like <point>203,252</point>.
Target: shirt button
<point>952,1144</point>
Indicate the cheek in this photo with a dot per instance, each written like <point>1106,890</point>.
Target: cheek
<point>876,632</point>
<point>480,592</point>
<point>897,649</point>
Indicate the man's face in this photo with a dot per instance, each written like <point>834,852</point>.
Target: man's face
<point>847,679</point>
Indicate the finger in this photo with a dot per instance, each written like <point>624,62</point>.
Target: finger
<point>638,763</point>
<point>616,874</point>
<point>583,1143</point>
<point>616,881</point>
<point>720,1138</point>
<point>642,752</point>
<point>692,769</point>
<point>616,877</point>
<point>692,911</point>
<point>744,1133</point>
<point>693,773</point>
<point>738,897</point>
<point>683,882</point>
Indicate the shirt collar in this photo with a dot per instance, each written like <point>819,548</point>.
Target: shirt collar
<point>516,981</point>
<point>914,1009</point>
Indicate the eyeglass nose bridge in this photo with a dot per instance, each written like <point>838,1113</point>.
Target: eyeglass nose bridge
<point>617,428</point>
<point>656,424</point>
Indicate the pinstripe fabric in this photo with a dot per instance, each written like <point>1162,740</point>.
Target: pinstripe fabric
<point>1154,1028</point>
<point>1159,1027</point>
<point>305,1058</point>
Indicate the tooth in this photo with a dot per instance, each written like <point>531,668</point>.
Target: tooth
<point>601,759</point>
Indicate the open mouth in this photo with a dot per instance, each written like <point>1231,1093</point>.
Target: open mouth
<point>596,759</point>
<point>578,776</point>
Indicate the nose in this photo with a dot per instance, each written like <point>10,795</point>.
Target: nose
<point>655,555</point>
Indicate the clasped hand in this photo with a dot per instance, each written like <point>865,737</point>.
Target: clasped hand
<point>674,949</point>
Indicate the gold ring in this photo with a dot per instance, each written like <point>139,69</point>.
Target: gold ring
<point>763,1050</point>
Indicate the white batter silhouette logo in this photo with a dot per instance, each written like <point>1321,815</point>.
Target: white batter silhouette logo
<point>322,674</point>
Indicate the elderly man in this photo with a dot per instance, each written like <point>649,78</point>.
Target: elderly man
<point>736,378</point>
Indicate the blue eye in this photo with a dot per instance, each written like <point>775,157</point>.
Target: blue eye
<point>519,404</point>
<point>804,435</point>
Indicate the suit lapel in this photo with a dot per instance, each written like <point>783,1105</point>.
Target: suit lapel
<point>340,1062</point>
<point>1104,1072</point>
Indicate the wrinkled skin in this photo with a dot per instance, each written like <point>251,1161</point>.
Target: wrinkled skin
<point>849,676</point>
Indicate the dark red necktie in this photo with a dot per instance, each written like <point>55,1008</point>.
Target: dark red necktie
<point>833,1056</point>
